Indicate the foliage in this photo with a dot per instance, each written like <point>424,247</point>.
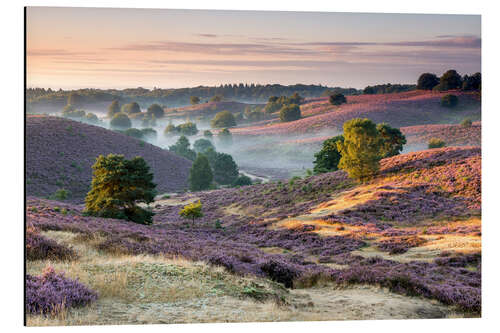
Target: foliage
<point>39,247</point>
<point>449,101</point>
<point>149,133</point>
<point>187,129</point>
<point>436,143</point>
<point>182,148</point>
<point>113,108</point>
<point>118,185</point>
<point>155,110</point>
<point>200,174</point>
<point>360,149</point>
<point>192,211</point>
<point>202,145</point>
<point>216,98</point>
<point>60,194</point>
<point>290,112</point>
<point>91,118</point>
<point>275,103</point>
<point>194,100</point>
<point>280,272</point>
<point>225,170</point>
<point>472,82</point>
<point>427,81</point>
<point>131,108</point>
<point>225,137</point>
<point>328,158</point>
<point>242,180</point>
<point>392,140</point>
<point>223,119</point>
<point>450,80</point>
<point>388,88</point>
<point>207,134</point>
<point>120,121</point>
<point>52,293</point>
<point>467,122</point>
<point>337,99</point>
<point>134,132</point>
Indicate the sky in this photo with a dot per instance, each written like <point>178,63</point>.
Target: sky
<point>73,48</point>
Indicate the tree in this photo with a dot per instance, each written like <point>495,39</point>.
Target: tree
<point>337,99</point>
<point>360,149</point>
<point>449,101</point>
<point>202,145</point>
<point>466,123</point>
<point>75,99</point>
<point>290,113</point>
<point>187,129</point>
<point>450,80</point>
<point>113,108</point>
<point>223,119</point>
<point>392,140</point>
<point>194,100</point>
<point>225,170</point>
<point>472,82</point>
<point>436,143</point>
<point>272,107</point>
<point>155,110</point>
<point>91,118</point>
<point>225,137</point>
<point>216,98</point>
<point>118,185</point>
<point>134,132</point>
<point>327,159</point>
<point>170,130</point>
<point>242,180</point>
<point>181,147</point>
<point>207,134</point>
<point>192,211</point>
<point>427,81</point>
<point>131,108</point>
<point>200,174</point>
<point>295,99</point>
<point>120,121</point>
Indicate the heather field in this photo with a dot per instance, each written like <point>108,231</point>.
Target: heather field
<point>406,244</point>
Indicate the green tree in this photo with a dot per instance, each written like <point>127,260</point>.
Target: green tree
<point>131,108</point>
<point>328,158</point>
<point>156,110</point>
<point>225,170</point>
<point>392,140</point>
<point>337,99</point>
<point>223,119</point>
<point>118,185</point>
<point>436,143</point>
<point>192,211</point>
<point>427,81</point>
<point>290,112</point>
<point>202,145</point>
<point>200,174</point>
<point>113,108</point>
<point>216,98</point>
<point>467,123</point>
<point>225,137</point>
<point>472,82</point>
<point>450,80</point>
<point>134,132</point>
<point>194,100</point>
<point>120,121</point>
<point>449,101</point>
<point>207,134</point>
<point>170,130</point>
<point>360,149</point>
<point>187,129</point>
<point>242,180</point>
<point>182,148</point>
<point>91,118</point>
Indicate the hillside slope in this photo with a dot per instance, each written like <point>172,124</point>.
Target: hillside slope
<point>60,153</point>
<point>401,109</point>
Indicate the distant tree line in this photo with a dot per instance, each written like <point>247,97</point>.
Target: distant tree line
<point>388,88</point>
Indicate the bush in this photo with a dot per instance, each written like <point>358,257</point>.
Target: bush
<point>91,118</point>
<point>280,272</point>
<point>225,137</point>
<point>194,100</point>
<point>290,113</point>
<point>113,108</point>
<point>200,174</point>
<point>450,80</point>
<point>134,132</point>
<point>187,129</point>
<point>392,140</point>
<point>436,143</point>
<point>337,99</point>
<point>327,159</point>
<point>120,121</point>
<point>223,119</point>
<point>118,185</point>
<point>39,247</point>
<point>207,134</point>
<point>60,194</point>
<point>242,180</point>
<point>182,148</point>
<point>427,81</point>
<point>449,101</point>
<point>155,110</point>
<point>467,122</point>
<point>149,133</point>
<point>360,149</point>
<point>131,108</point>
<point>52,293</point>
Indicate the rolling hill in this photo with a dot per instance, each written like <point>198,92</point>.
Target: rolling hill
<point>60,153</point>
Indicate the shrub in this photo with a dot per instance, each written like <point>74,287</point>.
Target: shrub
<point>52,292</point>
<point>60,194</point>
<point>223,119</point>
<point>202,145</point>
<point>118,185</point>
<point>149,133</point>
<point>194,100</point>
<point>91,118</point>
<point>337,99</point>
<point>467,122</point>
<point>131,108</point>
<point>360,149</point>
<point>290,113</point>
<point>272,107</point>
<point>436,143</point>
<point>392,140</point>
<point>207,134</point>
<point>170,130</point>
<point>450,80</point>
<point>182,148</point>
<point>449,101</point>
<point>327,159</point>
<point>120,121</point>
<point>242,180</point>
<point>225,170</point>
<point>113,108</point>
<point>427,81</point>
<point>187,129</point>
<point>225,137</point>
<point>280,272</point>
<point>155,110</point>
<point>192,211</point>
<point>216,98</point>
<point>200,174</point>
<point>39,247</point>
<point>134,132</point>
